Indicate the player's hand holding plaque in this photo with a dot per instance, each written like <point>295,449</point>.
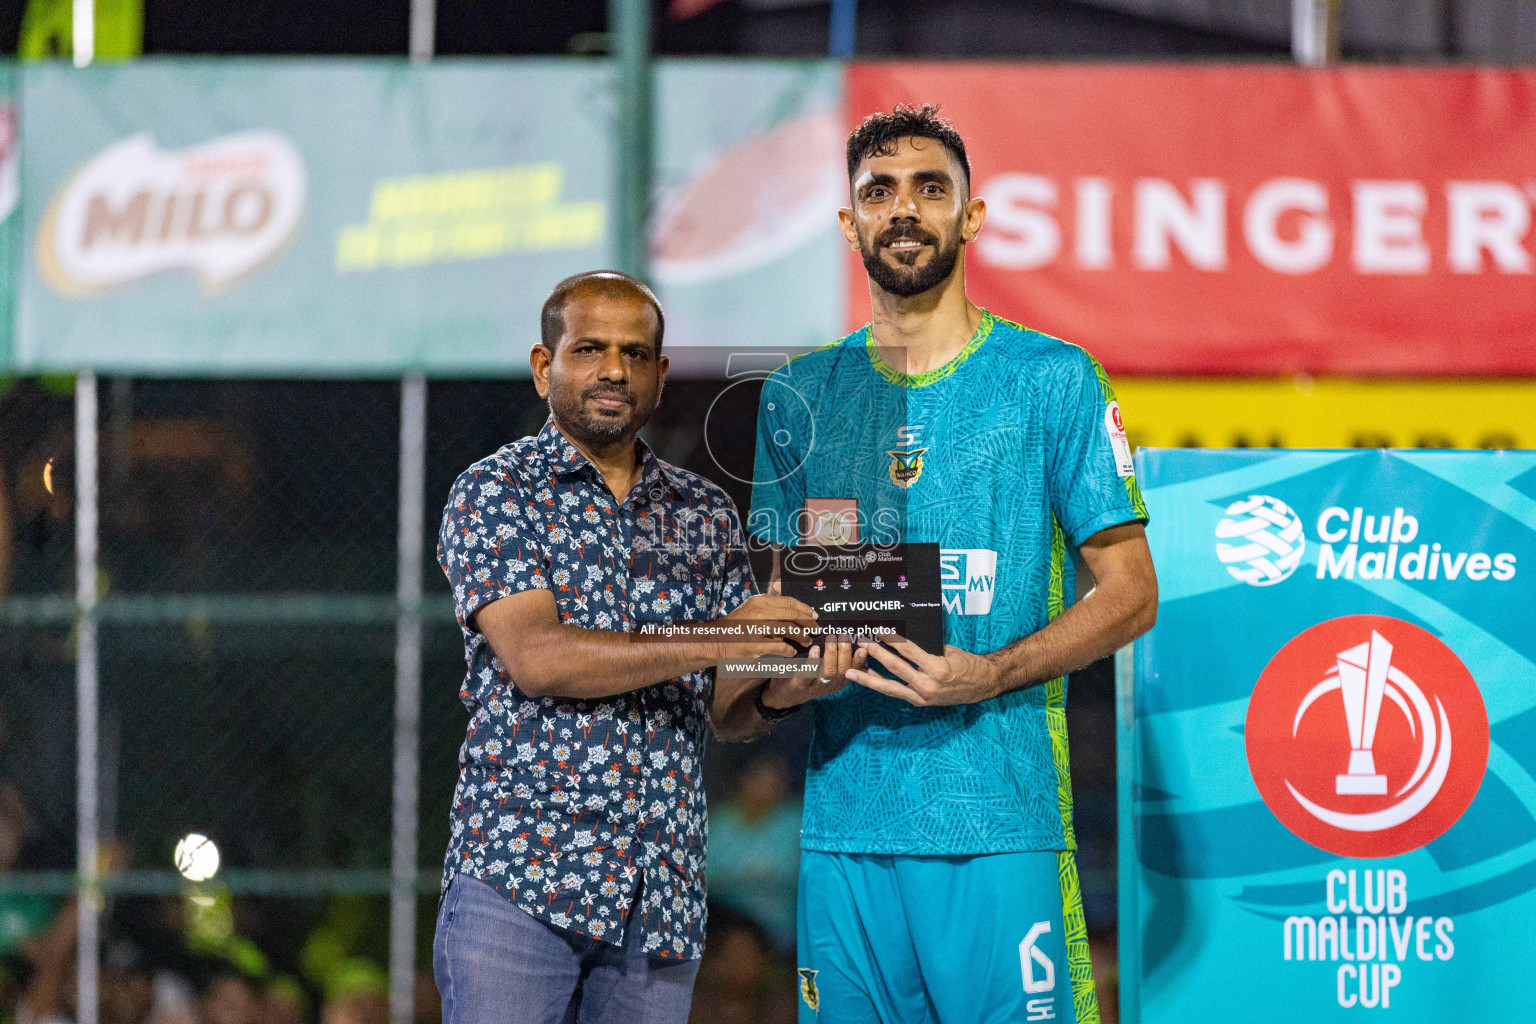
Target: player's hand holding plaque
<point>871,590</point>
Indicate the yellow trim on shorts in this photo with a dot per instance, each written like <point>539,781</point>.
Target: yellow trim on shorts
<point>1085,1000</point>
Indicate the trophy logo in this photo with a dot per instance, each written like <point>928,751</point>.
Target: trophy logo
<point>1361,674</point>
<point>1367,736</point>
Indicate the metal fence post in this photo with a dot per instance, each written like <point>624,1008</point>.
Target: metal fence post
<point>844,29</point>
<point>402,889</point>
<point>88,886</point>
<point>82,31</point>
<point>1315,31</point>
<point>407,768</point>
<point>423,29</point>
<point>629,26</point>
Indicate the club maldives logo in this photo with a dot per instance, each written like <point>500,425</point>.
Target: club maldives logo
<point>1367,736</point>
<point>1260,540</point>
<point>220,209</point>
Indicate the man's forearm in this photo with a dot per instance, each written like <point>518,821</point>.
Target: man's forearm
<point>1101,623</point>
<point>568,661</point>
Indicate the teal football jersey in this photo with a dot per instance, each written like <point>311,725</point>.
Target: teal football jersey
<point>1008,457</point>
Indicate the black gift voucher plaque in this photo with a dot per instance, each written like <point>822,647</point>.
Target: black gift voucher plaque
<point>871,586</point>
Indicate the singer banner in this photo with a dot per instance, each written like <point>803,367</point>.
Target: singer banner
<point>1246,220</point>
<point>1328,742</point>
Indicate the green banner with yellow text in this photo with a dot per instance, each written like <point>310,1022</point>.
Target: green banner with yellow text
<point>311,217</point>
<point>367,217</point>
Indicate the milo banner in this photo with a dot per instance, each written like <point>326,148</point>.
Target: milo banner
<point>355,217</point>
<point>1328,742</point>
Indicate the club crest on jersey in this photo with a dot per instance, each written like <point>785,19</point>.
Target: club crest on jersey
<point>906,466</point>
<point>808,989</point>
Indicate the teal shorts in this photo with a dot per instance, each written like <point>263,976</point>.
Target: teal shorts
<point>943,940</point>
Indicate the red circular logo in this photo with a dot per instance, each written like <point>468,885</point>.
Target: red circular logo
<point>1367,736</point>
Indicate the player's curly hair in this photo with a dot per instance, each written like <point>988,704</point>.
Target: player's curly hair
<point>879,134</point>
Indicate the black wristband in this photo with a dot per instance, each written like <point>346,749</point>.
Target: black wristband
<point>767,713</point>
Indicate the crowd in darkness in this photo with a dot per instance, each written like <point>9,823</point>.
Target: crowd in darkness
<point>175,959</point>
<point>203,957</point>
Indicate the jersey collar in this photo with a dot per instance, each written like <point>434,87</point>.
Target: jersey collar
<point>894,376</point>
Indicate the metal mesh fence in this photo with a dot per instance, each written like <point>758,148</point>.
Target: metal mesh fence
<point>37,757</point>
<point>273,738</point>
<point>249,487</point>
<point>248,557</point>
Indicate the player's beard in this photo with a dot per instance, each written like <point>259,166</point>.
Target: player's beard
<point>906,280</point>
<point>595,429</point>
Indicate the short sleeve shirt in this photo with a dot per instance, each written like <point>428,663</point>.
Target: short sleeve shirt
<point>568,807</point>
<point>1007,457</point>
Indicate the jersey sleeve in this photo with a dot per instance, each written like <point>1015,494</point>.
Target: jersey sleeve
<point>1091,479</point>
<point>784,434</point>
<point>487,544</point>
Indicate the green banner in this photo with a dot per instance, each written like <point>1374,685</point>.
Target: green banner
<point>10,203</point>
<point>315,217</point>
<point>346,218</point>
<point>745,248</point>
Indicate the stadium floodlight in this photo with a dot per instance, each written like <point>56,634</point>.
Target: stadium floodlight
<point>197,858</point>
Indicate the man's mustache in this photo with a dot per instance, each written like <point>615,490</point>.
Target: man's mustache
<point>906,231</point>
<point>610,391</point>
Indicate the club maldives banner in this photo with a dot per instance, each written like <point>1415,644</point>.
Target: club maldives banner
<point>1328,742</point>
<point>1243,220</point>
<point>355,217</point>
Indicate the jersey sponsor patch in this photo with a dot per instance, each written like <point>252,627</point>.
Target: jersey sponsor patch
<point>906,467</point>
<point>1115,427</point>
<point>967,580</point>
<point>808,989</point>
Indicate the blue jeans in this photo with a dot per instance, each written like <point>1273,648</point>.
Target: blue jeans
<point>496,964</point>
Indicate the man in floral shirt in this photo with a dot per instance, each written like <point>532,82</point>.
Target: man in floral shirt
<point>574,882</point>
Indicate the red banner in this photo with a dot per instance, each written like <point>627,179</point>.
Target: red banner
<point>1247,220</point>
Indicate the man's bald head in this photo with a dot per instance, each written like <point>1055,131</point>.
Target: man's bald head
<point>608,284</point>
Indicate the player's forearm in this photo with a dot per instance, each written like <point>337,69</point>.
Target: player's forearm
<point>567,661</point>
<point>734,711</point>
<point>1110,616</point>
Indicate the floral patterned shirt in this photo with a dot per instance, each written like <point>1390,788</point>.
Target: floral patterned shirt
<point>569,807</point>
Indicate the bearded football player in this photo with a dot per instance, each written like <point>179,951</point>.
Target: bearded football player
<point>937,881</point>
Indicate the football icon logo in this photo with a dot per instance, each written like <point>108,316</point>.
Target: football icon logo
<point>1367,736</point>
<point>1260,540</point>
